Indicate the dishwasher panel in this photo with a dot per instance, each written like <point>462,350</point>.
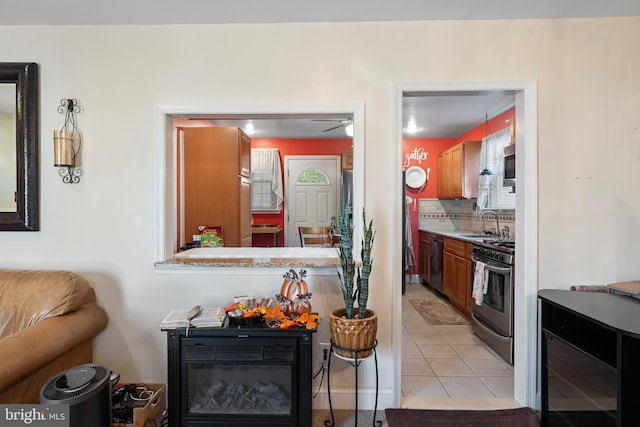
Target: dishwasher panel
<point>437,252</point>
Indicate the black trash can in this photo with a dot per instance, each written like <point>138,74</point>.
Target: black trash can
<point>87,391</point>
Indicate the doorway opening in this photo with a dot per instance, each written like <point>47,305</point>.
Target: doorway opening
<point>524,388</point>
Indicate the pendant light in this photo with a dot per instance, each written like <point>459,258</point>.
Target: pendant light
<point>486,171</point>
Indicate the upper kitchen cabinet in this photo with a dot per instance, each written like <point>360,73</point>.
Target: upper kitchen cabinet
<point>458,169</point>
<point>217,182</point>
<point>244,152</point>
<point>347,160</point>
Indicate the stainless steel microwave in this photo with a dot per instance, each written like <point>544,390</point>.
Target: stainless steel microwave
<point>509,166</point>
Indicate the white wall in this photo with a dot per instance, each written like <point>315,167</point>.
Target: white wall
<point>588,73</point>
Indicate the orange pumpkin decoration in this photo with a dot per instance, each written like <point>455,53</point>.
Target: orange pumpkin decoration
<point>294,294</point>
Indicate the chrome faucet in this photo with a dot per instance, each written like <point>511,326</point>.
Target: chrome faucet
<point>497,231</point>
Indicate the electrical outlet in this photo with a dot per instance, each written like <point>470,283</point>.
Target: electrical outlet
<point>325,358</point>
<point>325,353</point>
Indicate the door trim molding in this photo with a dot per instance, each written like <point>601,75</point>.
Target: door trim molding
<point>525,322</point>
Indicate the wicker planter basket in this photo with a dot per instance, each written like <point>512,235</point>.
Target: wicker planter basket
<point>354,334</point>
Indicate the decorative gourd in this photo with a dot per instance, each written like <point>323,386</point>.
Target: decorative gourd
<point>283,296</point>
<point>294,294</point>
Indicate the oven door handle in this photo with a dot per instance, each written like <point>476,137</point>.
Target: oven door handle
<point>479,322</point>
<point>501,270</point>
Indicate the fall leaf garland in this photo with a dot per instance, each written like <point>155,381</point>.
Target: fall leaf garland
<point>276,318</point>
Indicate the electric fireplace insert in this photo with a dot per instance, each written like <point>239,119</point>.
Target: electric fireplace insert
<point>239,376</point>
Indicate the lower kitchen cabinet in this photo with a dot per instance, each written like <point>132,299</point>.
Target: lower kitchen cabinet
<point>457,274</point>
<point>424,256</point>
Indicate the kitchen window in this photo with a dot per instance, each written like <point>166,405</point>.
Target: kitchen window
<point>491,193</point>
<point>266,180</point>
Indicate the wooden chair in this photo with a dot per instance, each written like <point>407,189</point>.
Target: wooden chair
<point>314,236</point>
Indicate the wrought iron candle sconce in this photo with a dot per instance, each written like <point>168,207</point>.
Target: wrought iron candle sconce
<point>67,143</point>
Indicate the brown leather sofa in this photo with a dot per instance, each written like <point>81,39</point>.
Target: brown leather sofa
<point>48,320</point>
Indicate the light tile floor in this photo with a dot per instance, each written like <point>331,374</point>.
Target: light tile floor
<point>448,361</point>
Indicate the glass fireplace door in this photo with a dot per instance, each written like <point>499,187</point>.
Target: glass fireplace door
<point>239,389</point>
<point>236,378</point>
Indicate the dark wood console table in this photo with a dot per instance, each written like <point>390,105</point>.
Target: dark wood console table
<point>590,359</point>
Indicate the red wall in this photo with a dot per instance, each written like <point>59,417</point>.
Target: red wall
<point>293,147</point>
<point>499,122</point>
<point>433,147</point>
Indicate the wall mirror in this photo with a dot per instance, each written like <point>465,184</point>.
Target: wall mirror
<point>19,124</point>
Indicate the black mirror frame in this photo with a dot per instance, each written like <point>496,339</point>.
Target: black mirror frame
<point>27,215</point>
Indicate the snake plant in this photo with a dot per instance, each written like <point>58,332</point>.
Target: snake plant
<point>354,279</point>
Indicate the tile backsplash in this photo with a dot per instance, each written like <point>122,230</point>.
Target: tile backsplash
<point>459,215</point>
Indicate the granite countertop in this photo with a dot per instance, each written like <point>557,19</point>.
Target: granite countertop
<point>255,257</point>
<point>466,235</point>
<point>477,238</point>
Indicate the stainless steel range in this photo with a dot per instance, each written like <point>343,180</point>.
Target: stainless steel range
<point>493,319</point>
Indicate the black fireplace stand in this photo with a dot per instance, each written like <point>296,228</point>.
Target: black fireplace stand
<point>355,362</point>
<point>176,338</point>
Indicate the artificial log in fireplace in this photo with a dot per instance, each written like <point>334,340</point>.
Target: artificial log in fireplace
<point>240,376</point>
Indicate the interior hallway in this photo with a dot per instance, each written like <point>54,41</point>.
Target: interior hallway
<point>447,366</point>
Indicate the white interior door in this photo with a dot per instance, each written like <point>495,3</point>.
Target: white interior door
<point>311,193</point>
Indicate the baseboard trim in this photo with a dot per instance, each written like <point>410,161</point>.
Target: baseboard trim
<point>345,399</point>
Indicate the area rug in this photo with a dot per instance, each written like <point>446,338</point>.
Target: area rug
<point>437,312</point>
<point>519,417</point>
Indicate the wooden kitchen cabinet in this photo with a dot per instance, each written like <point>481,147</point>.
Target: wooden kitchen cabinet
<point>457,274</point>
<point>217,182</point>
<point>244,227</point>
<point>458,169</point>
<point>424,256</point>
<point>444,174</point>
<point>347,160</point>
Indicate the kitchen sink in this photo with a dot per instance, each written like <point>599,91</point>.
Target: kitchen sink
<point>480,236</point>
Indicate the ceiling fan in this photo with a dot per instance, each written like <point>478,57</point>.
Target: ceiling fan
<point>342,123</point>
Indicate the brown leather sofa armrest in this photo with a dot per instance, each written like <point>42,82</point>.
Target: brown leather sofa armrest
<point>26,351</point>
